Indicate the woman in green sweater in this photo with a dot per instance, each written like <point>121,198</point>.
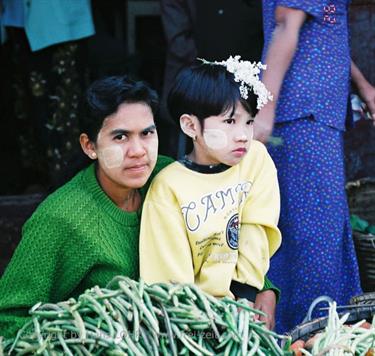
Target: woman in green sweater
<point>86,232</point>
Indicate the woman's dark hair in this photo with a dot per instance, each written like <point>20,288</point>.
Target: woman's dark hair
<point>103,98</point>
<point>105,95</point>
<point>206,90</point>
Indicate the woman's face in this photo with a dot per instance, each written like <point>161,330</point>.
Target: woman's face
<point>127,147</point>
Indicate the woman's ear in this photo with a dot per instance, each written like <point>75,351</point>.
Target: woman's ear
<point>190,125</point>
<point>87,146</point>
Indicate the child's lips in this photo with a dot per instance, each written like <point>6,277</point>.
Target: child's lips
<point>239,152</point>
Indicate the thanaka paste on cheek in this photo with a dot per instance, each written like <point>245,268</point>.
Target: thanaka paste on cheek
<point>215,139</point>
<point>153,151</point>
<point>111,156</point>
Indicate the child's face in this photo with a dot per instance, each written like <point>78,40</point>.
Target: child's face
<point>225,139</point>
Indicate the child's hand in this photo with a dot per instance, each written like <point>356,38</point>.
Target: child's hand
<point>266,302</point>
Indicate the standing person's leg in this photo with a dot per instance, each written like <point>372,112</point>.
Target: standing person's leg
<point>317,255</point>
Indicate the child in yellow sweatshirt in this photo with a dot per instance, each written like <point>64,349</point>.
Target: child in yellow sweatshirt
<point>211,218</point>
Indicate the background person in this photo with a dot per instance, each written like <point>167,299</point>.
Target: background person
<point>308,68</point>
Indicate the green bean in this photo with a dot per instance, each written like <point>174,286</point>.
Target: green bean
<point>163,347</point>
<point>149,341</point>
<point>224,339</point>
<point>243,305</point>
<point>77,350</point>
<point>245,334</point>
<point>27,351</point>
<point>189,293</point>
<point>183,339</point>
<point>155,291</point>
<point>101,312</point>
<point>64,345</point>
<point>169,331</point>
<point>141,306</point>
<point>146,341</point>
<point>19,334</point>
<point>148,303</point>
<point>208,309</point>
<point>120,308</point>
<point>116,353</point>
<point>255,345</point>
<point>136,323</point>
<point>228,348</point>
<point>132,347</point>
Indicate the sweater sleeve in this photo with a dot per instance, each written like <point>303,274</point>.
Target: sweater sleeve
<point>31,275</point>
<point>165,254</point>
<point>259,235</point>
<point>268,285</point>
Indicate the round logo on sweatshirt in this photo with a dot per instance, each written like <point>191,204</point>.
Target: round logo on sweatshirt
<point>232,232</point>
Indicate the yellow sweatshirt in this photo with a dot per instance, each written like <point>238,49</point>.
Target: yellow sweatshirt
<point>210,229</point>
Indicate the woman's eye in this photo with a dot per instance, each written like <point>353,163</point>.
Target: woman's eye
<point>230,121</point>
<point>250,122</point>
<point>121,137</point>
<point>149,132</point>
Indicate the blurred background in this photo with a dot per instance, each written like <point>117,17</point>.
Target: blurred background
<point>47,62</point>
<point>41,89</point>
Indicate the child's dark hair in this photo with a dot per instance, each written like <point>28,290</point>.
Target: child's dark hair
<point>105,95</point>
<point>207,90</point>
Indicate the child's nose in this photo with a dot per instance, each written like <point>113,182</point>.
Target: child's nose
<point>241,137</point>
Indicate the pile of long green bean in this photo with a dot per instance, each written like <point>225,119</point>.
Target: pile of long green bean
<point>132,318</point>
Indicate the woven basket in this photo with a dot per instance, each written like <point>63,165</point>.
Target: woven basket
<point>361,198</point>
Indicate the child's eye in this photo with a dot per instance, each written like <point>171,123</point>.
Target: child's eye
<point>230,121</point>
<point>250,122</point>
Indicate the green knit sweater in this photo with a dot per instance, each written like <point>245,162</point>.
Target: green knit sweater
<point>76,239</point>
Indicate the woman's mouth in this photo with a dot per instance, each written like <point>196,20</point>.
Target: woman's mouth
<point>137,168</point>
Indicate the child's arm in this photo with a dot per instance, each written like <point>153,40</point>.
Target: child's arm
<point>259,235</point>
<point>164,248</point>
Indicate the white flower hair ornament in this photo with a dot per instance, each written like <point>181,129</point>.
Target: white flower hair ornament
<point>247,74</point>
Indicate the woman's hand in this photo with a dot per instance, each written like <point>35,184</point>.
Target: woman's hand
<point>367,94</point>
<point>365,89</point>
<point>263,125</point>
<point>266,302</point>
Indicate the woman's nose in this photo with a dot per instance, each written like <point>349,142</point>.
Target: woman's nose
<point>136,148</point>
